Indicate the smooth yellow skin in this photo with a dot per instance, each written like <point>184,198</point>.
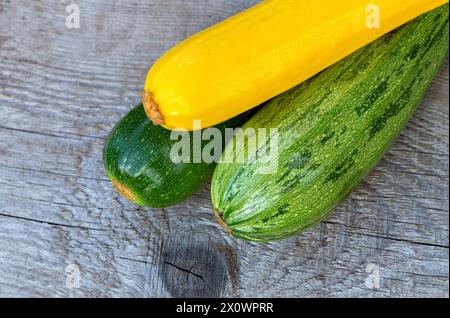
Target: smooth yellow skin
<point>259,53</point>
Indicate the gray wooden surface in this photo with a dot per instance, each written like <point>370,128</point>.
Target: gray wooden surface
<point>61,91</point>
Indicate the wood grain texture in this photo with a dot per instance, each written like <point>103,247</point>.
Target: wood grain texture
<point>62,90</point>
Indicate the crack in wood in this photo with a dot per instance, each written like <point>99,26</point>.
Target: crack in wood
<point>133,260</point>
<point>50,135</point>
<point>51,223</point>
<point>184,270</point>
<point>377,235</point>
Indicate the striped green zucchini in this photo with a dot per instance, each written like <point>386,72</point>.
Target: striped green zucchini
<point>332,130</point>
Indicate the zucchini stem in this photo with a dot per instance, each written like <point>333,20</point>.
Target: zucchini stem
<point>152,109</point>
<point>124,191</point>
<point>221,220</point>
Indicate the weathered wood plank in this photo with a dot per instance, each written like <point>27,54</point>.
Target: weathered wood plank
<point>61,92</point>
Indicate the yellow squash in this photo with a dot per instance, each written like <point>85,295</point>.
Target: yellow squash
<point>259,53</point>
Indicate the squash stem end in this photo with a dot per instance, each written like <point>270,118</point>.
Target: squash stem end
<point>124,191</point>
<point>219,217</point>
<point>151,108</point>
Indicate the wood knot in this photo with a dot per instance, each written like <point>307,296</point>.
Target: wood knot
<point>192,265</point>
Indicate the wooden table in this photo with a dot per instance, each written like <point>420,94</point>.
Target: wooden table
<point>61,92</point>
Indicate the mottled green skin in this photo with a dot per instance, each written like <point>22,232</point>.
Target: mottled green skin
<point>333,129</point>
<point>137,155</point>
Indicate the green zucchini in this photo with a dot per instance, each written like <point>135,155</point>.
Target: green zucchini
<point>332,130</point>
<point>137,158</point>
